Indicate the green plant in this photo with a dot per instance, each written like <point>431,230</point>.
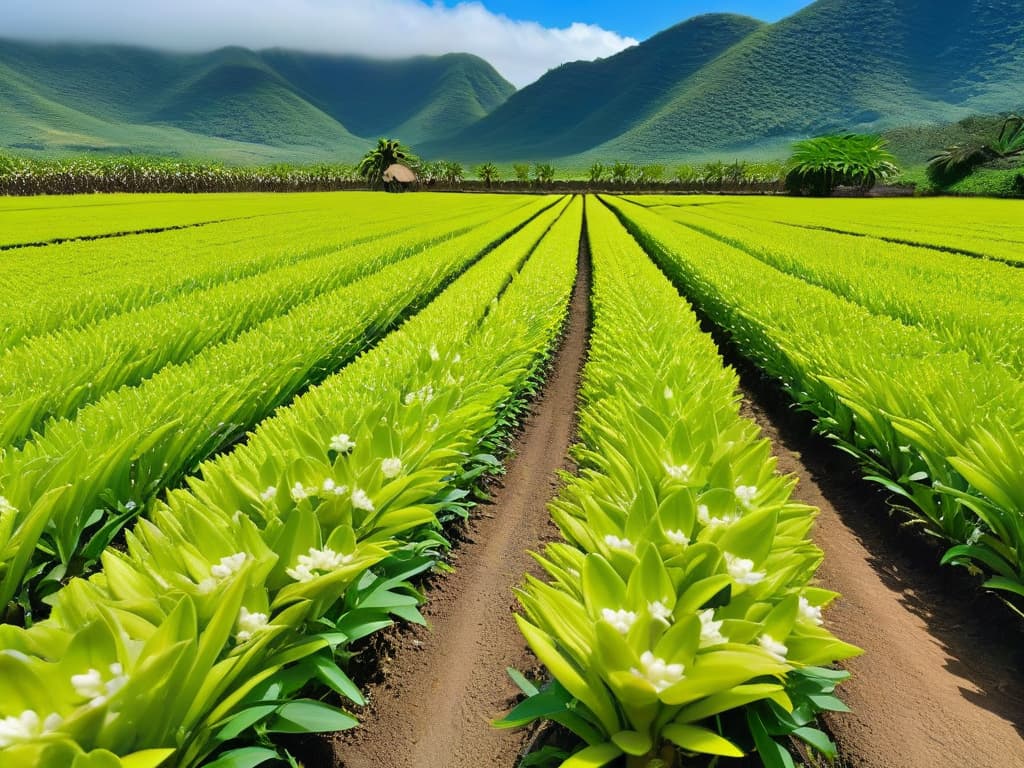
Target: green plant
<point>685,174</point>
<point>681,593</point>
<point>522,172</point>
<point>488,174</point>
<point>386,153</point>
<point>622,173</point>
<point>958,161</point>
<point>452,172</point>
<point>651,174</point>
<point>817,166</point>
<point>597,173</point>
<point>544,174</point>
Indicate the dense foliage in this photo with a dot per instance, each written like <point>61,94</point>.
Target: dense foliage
<point>925,391</point>
<point>231,608</point>
<point>377,160</point>
<point>679,619</point>
<point>957,161</point>
<point>819,165</point>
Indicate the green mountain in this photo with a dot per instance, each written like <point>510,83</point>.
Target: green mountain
<point>727,86</point>
<point>716,86</point>
<point>234,104</point>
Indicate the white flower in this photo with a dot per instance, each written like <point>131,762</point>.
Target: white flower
<point>317,562</point>
<point>811,613</point>
<point>775,648</point>
<point>249,623</point>
<point>424,394</point>
<point>656,672</point>
<point>668,393</point>
<point>300,491</point>
<point>329,486</point>
<point>92,686</point>
<point>457,358</point>
<point>269,494</point>
<point>342,443</point>
<point>361,501</point>
<point>622,620</point>
<point>26,727</point>
<point>973,538</point>
<point>710,630</point>
<point>680,472</point>
<point>434,354</point>
<point>745,494</point>
<point>742,570</point>
<point>677,537</point>
<point>391,467</point>
<point>704,517</point>
<point>616,543</point>
<point>228,566</point>
<point>659,612</point>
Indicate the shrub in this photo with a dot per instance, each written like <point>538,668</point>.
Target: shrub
<point>821,164</point>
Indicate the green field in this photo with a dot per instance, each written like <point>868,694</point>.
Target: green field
<point>238,431</point>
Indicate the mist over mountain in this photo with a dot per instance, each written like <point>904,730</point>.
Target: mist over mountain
<point>715,85</point>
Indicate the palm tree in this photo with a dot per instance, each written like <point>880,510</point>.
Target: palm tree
<point>597,173</point>
<point>387,152</point>
<point>821,164</point>
<point>521,171</point>
<point>622,173</point>
<point>487,173</point>
<point>955,162</point>
<point>544,173</point>
<point>452,172</point>
<point>651,174</point>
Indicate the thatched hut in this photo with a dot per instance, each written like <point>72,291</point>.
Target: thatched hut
<point>398,177</point>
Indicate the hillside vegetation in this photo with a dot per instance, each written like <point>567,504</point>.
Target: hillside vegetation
<point>862,65</point>
<point>233,104</point>
<point>715,87</point>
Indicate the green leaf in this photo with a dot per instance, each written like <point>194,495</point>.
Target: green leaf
<point>773,754</point>
<point>308,716</point>
<point>147,758</point>
<point>521,682</point>
<point>244,720</point>
<point>817,740</point>
<point>1005,584</point>
<point>332,675</point>
<point>701,740</point>
<point>246,757</point>
<point>594,756</point>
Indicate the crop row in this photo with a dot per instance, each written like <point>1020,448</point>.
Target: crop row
<point>913,285</point>
<point>40,220</point>
<point>71,489</point>
<point>679,618</point>
<point>53,375</point>
<point>929,422</point>
<point>231,597</point>
<point>985,228</point>
<point>73,284</point>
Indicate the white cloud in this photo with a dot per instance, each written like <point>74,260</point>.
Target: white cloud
<point>521,50</point>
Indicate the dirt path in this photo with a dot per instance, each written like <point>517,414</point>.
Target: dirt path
<point>938,686</point>
<point>447,682</point>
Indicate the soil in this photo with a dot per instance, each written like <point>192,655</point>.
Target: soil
<point>433,705</point>
<point>939,684</point>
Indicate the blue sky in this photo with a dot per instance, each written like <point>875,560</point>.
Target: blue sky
<point>634,18</point>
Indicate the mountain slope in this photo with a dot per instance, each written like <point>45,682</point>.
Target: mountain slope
<point>233,104</point>
<point>846,64</point>
<point>582,104</point>
<point>835,65</point>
